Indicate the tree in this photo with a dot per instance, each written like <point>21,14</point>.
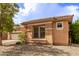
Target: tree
<point>16,27</point>
<point>7,11</point>
<point>75,32</point>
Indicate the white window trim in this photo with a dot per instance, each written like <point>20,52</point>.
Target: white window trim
<point>39,39</point>
<point>61,27</point>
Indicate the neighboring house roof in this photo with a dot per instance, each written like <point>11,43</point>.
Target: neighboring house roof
<point>18,28</point>
<point>67,17</point>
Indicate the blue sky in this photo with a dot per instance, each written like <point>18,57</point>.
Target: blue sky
<point>30,11</point>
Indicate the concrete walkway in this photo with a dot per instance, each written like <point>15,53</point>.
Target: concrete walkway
<point>73,50</point>
<point>9,42</point>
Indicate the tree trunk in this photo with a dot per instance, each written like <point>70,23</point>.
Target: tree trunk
<point>9,36</point>
<point>1,35</point>
<point>0,38</point>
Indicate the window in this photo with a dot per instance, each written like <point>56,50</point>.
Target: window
<point>39,31</point>
<point>59,25</point>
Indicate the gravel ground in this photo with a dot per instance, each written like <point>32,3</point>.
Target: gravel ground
<point>33,50</point>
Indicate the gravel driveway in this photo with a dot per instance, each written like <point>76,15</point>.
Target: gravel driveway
<point>45,50</point>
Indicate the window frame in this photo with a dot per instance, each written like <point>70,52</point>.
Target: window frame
<point>39,32</point>
<point>59,28</point>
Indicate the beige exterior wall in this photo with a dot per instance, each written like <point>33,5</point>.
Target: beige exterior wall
<point>61,37</point>
<point>52,35</point>
<point>48,33</point>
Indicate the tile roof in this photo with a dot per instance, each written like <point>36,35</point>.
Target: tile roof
<point>66,17</point>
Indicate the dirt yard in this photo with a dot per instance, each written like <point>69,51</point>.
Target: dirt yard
<point>45,50</point>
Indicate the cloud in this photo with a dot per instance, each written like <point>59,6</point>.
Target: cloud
<point>28,7</point>
<point>40,10</point>
<point>73,10</point>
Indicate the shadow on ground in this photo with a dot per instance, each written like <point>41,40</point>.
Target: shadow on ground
<point>30,50</point>
<point>74,45</point>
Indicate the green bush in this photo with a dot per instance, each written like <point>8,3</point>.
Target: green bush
<point>75,32</point>
<point>22,37</point>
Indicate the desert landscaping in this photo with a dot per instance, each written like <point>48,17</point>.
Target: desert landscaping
<point>49,31</point>
<point>44,50</point>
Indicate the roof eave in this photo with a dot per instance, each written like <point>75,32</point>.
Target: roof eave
<point>68,18</point>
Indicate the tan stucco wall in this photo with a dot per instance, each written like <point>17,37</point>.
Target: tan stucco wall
<point>48,33</point>
<point>52,36</point>
<point>61,37</point>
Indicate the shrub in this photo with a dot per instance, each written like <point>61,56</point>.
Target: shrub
<point>75,32</point>
<point>18,43</point>
<point>22,37</point>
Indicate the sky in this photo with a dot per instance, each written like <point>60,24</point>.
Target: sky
<point>31,11</point>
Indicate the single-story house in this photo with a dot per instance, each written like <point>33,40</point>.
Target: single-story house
<point>15,33</point>
<point>52,30</point>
